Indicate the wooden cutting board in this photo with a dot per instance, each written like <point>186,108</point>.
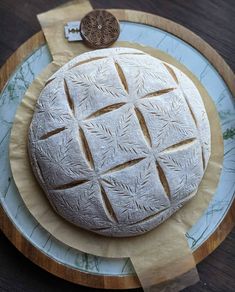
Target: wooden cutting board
<point>104,281</point>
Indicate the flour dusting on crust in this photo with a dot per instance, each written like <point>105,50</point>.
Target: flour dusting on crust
<point>119,141</point>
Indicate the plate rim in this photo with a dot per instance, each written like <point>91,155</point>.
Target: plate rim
<point>109,281</point>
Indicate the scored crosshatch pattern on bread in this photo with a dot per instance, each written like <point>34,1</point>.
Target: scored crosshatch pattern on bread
<point>119,141</point>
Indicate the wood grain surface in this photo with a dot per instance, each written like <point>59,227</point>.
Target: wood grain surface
<point>213,21</point>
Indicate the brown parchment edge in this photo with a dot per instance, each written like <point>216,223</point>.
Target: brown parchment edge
<point>53,22</point>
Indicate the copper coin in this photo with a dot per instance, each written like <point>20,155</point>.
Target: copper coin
<point>99,29</point>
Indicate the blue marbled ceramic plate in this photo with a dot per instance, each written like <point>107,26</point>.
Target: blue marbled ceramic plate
<point>12,203</point>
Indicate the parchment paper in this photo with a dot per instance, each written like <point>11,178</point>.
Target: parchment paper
<point>52,23</point>
<point>160,256</point>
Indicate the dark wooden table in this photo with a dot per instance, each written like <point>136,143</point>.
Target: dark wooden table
<point>214,21</point>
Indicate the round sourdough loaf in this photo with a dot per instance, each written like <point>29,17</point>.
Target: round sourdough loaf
<point>119,141</point>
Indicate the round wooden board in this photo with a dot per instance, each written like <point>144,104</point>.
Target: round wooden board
<point>103,281</point>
